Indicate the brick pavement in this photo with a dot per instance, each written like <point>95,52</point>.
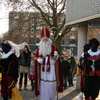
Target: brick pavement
<point>71,93</point>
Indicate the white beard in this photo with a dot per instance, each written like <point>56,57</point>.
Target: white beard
<point>45,48</point>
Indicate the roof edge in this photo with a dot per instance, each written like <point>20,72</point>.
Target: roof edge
<point>83,20</point>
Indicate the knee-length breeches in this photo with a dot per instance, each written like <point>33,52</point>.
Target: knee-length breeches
<point>5,83</point>
<point>91,85</point>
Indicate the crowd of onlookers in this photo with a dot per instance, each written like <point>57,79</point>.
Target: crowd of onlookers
<point>14,68</point>
<point>26,68</point>
<point>69,68</point>
<point>43,66</point>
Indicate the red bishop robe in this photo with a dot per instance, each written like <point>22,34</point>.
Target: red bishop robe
<point>58,71</point>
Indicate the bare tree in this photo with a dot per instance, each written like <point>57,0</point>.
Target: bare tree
<point>52,12</point>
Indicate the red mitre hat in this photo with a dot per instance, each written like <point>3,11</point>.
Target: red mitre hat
<point>45,33</point>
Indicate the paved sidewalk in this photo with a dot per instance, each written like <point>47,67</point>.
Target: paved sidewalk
<point>71,93</point>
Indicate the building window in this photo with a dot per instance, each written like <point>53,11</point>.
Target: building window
<point>62,42</point>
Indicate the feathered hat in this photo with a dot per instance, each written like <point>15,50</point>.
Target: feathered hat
<point>6,43</point>
<point>17,47</point>
<point>95,41</point>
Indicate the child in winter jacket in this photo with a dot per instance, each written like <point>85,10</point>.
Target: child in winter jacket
<point>66,70</point>
<point>32,74</point>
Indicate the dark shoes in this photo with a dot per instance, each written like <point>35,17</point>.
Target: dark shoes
<point>20,86</point>
<point>32,88</point>
<point>70,85</point>
<point>65,87</point>
<point>25,87</point>
<point>19,89</point>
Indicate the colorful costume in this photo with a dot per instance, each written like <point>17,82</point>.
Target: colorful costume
<point>0,59</point>
<point>9,69</point>
<point>48,79</point>
<point>92,71</point>
<point>51,75</point>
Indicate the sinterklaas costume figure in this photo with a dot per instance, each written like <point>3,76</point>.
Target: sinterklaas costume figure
<point>48,81</point>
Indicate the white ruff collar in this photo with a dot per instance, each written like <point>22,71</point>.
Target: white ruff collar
<point>4,56</point>
<point>94,53</point>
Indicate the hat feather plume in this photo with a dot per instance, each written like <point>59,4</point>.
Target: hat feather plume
<point>17,47</point>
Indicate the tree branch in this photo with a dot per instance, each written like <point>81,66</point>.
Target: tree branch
<point>42,13</point>
<point>50,3</point>
<point>62,8</point>
<point>67,29</point>
<point>62,25</point>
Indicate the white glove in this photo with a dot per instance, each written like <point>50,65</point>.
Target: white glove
<point>40,61</point>
<point>55,53</point>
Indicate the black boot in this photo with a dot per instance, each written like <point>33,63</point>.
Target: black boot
<point>25,87</point>
<point>32,85</point>
<point>20,87</point>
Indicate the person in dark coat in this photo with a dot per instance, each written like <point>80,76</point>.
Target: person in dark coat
<point>66,70</point>
<point>24,62</point>
<point>9,69</point>
<point>72,62</point>
<point>62,57</point>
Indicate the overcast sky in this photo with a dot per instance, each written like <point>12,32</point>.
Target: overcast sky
<point>3,19</point>
<point>4,11</point>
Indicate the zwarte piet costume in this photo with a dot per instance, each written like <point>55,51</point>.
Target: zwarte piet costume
<point>9,69</point>
<point>92,71</point>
